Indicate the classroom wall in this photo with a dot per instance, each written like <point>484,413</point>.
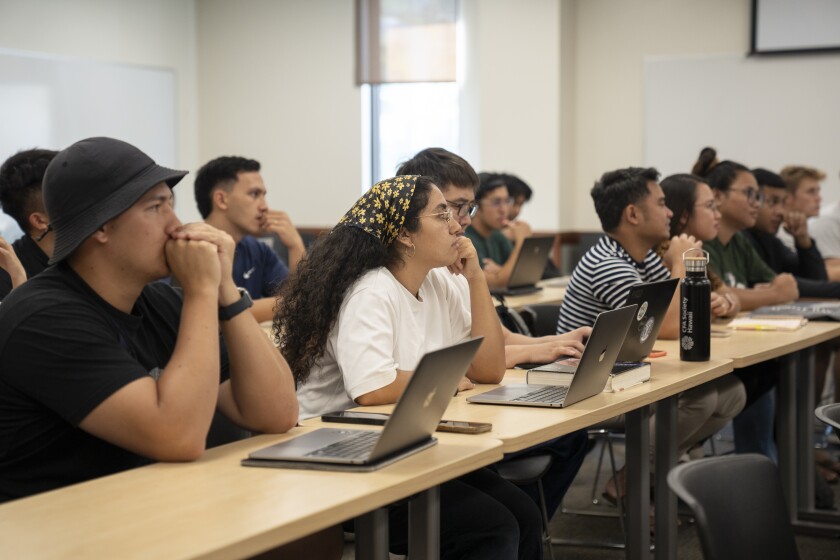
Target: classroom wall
<point>510,114</point>
<point>153,32</point>
<point>277,84</point>
<point>611,40</point>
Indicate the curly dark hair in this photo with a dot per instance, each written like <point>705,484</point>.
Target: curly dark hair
<point>312,297</point>
<point>616,190</point>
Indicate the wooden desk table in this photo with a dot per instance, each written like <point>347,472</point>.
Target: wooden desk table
<point>215,508</point>
<point>551,292</point>
<point>521,427</point>
<point>795,408</point>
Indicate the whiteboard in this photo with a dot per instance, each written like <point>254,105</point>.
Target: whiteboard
<point>51,102</point>
<point>757,111</point>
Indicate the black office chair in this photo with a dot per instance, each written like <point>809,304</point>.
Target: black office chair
<point>739,507</point>
<point>830,414</point>
<point>529,470</point>
<point>541,319</point>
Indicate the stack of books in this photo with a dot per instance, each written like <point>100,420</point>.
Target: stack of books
<point>623,376</point>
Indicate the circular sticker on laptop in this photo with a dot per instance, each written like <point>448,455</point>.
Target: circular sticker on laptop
<point>642,311</point>
<point>647,328</point>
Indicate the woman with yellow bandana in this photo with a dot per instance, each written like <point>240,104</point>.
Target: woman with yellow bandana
<point>366,303</point>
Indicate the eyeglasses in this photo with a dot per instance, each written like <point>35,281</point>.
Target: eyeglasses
<point>711,206</point>
<point>496,202</point>
<point>464,208</point>
<point>753,195</point>
<point>446,216</point>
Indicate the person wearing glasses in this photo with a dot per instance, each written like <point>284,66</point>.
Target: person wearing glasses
<point>458,181</point>
<point>733,258</point>
<point>20,194</point>
<point>496,252</point>
<point>369,300</point>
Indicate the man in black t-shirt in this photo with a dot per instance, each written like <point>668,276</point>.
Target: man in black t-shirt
<point>20,195</point>
<point>103,369</point>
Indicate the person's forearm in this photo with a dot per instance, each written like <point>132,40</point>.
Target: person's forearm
<point>670,328</point>
<point>261,393</point>
<point>753,299</point>
<point>488,366</point>
<point>500,278</point>
<point>389,394</point>
<point>296,253</point>
<point>263,309</point>
<point>188,387</point>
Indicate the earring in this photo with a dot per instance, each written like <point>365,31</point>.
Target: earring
<point>413,250</point>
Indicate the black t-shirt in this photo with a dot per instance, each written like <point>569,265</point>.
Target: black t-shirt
<point>30,255</point>
<point>63,351</point>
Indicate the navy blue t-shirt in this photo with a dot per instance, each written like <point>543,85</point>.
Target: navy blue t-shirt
<point>257,268</point>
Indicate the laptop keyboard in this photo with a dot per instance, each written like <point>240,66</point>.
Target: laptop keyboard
<point>356,446</point>
<point>547,394</point>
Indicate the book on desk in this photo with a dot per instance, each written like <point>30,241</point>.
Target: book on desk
<point>623,376</point>
<point>761,322</point>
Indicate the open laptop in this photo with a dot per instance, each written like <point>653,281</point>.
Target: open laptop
<point>653,300</point>
<point>590,372</point>
<point>407,431</point>
<point>529,266</point>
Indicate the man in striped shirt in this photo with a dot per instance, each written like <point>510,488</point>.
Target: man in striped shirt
<point>631,206</point>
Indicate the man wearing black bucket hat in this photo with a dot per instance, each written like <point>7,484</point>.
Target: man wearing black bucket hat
<point>102,369</point>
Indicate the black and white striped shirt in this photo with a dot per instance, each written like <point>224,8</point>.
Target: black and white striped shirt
<point>602,280</point>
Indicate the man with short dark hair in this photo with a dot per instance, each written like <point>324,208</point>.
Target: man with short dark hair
<point>230,193</point>
<point>20,195</point>
<point>496,252</point>
<point>101,368</point>
<point>631,207</point>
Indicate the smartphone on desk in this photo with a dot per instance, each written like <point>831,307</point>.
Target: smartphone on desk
<point>379,419</point>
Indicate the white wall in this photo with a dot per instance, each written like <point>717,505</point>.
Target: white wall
<point>153,32</point>
<point>510,102</point>
<point>612,38</point>
<point>277,84</point>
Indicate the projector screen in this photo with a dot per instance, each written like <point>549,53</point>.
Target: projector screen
<point>786,26</point>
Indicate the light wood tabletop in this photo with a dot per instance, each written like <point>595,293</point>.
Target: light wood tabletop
<point>215,508</point>
<point>746,348</point>
<point>521,427</point>
<point>552,292</point>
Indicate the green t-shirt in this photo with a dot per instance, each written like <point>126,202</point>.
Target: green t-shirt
<point>738,264</point>
<point>497,247</point>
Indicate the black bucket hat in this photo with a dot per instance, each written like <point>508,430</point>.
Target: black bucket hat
<point>92,182</point>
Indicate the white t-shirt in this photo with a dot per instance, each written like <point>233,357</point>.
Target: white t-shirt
<point>381,328</point>
<point>825,231</point>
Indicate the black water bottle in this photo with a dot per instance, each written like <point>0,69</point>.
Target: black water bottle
<point>695,308</point>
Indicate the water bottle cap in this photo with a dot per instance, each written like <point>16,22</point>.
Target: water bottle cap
<point>697,261</point>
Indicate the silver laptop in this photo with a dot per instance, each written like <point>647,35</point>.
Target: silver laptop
<point>407,431</point>
<point>653,300</point>
<point>590,372</point>
<point>529,266</point>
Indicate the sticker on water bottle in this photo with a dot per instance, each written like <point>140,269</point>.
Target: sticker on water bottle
<point>687,343</point>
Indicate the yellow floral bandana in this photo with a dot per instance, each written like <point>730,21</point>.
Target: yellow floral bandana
<point>381,211</point>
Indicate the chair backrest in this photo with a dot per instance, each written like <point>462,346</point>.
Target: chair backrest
<point>739,507</point>
<point>542,319</point>
<point>830,414</point>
